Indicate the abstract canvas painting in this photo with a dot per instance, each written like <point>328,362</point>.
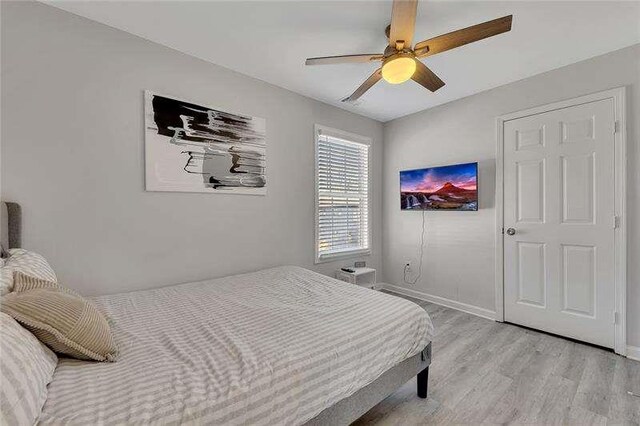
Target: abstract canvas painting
<point>440,188</point>
<point>194,148</point>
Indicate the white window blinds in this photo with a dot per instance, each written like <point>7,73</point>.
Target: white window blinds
<point>342,182</point>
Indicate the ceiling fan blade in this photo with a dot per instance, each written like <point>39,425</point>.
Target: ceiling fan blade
<point>343,59</point>
<point>464,36</point>
<point>368,84</point>
<point>403,22</point>
<point>425,77</point>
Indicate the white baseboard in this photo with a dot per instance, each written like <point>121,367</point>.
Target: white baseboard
<point>633,352</point>
<point>443,301</point>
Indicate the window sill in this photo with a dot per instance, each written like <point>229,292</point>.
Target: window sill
<point>343,255</point>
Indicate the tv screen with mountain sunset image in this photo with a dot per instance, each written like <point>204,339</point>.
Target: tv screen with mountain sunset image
<point>440,188</point>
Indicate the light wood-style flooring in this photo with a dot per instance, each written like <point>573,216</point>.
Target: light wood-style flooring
<point>495,373</point>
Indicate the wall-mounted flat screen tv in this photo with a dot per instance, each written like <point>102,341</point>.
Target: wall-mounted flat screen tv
<point>452,187</point>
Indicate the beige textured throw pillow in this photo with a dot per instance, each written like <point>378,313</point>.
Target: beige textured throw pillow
<point>25,282</point>
<point>60,318</point>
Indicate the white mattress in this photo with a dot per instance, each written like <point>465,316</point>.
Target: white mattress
<point>276,346</point>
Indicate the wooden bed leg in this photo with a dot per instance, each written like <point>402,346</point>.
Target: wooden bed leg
<point>423,383</point>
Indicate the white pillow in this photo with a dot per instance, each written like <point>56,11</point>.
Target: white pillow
<point>6,280</point>
<point>27,262</point>
<point>26,369</point>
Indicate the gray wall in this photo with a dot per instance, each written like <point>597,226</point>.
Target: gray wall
<point>460,253</point>
<point>73,156</point>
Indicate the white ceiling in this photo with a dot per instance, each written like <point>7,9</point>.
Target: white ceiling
<point>270,40</point>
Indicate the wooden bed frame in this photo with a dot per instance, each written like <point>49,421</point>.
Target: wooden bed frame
<point>344,411</point>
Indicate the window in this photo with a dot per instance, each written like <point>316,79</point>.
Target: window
<point>342,194</point>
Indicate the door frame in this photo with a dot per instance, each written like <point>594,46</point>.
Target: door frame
<point>620,193</point>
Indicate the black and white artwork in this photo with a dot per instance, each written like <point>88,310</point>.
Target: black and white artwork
<point>193,148</point>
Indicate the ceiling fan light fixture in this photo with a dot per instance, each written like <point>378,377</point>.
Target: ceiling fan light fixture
<point>401,62</point>
<point>398,69</point>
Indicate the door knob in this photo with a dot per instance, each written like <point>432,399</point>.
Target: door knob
<point>511,231</point>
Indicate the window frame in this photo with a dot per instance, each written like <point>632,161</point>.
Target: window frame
<point>354,138</point>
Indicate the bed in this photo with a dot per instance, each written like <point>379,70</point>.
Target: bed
<point>278,346</point>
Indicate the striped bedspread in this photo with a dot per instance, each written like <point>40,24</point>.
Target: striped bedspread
<point>272,347</point>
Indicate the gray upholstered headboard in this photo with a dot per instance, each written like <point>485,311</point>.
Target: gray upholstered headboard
<point>11,225</point>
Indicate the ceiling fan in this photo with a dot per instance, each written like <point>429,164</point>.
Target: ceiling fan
<point>400,62</point>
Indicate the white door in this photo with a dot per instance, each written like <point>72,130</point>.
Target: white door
<point>559,222</point>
